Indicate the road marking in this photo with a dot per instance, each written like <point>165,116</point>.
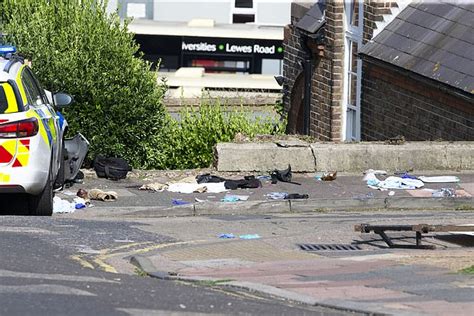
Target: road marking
<point>107,253</point>
<point>84,263</point>
<point>43,289</point>
<point>55,277</point>
<point>25,230</point>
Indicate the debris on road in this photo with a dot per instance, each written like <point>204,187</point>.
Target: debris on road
<point>179,202</point>
<point>439,179</point>
<point>250,236</point>
<point>444,192</point>
<point>155,186</point>
<point>296,196</point>
<point>96,194</point>
<point>235,198</point>
<point>329,176</point>
<point>61,206</point>
<point>277,195</point>
<point>227,236</point>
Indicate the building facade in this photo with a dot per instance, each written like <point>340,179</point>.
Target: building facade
<point>335,95</point>
<point>222,36</point>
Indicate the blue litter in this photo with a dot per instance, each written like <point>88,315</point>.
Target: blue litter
<point>408,176</point>
<point>230,199</point>
<point>250,236</point>
<point>79,206</point>
<point>179,202</point>
<point>227,236</point>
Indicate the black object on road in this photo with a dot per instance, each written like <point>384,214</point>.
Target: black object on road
<point>112,168</point>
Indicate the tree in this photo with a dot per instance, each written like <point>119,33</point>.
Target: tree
<point>77,47</point>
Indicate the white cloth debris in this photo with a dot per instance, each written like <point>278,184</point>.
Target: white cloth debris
<point>395,183</point>
<point>440,179</point>
<point>155,186</point>
<point>194,187</point>
<point>61,206</point>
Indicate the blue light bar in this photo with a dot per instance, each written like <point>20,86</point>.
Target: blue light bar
<point>7,49</point>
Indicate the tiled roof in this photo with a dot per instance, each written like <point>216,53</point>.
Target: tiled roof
<point>435,40</point>
<point>314,19</point>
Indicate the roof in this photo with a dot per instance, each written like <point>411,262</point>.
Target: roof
<point>314,19</point>
<point>435,40</point>
<point>249,31</point>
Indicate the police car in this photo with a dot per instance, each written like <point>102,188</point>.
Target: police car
<point>35,158</point>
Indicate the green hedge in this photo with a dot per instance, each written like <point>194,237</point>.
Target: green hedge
<point>192,138</point>
<point>76,47</point>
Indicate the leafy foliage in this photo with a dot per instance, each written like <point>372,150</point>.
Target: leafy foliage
<point>75,46</point>
<point>193,137</point>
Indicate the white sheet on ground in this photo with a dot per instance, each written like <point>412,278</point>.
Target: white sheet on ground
<point>439,179</point>
<point>193,187</point>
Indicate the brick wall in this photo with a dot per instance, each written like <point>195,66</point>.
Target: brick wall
<point>395,104</point>
<point>327,81</point>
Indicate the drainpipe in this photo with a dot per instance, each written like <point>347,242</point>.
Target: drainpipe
<point>308,74</point>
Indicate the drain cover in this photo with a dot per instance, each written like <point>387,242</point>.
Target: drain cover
<point>328,247</point>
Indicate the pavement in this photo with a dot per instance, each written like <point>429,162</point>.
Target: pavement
<point>372,279</point>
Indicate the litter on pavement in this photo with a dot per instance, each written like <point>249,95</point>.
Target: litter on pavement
<point>329,176</point>
<point>276,195</point>
<point>155,187</point>
<point>439,179</point>
<point>444,192</point>
<point>195,187</point>
<point>283,176</point>
<point>179,202</point>
<point>250,236</point>
<point>395,183</point>
<point>227,236</point>
<point>235,198</point>
<point>296,196</point>
<point>96,194</point>
<point>61,206</point>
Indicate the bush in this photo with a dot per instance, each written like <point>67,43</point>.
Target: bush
<point>192,138</point>
<point>75,46</point>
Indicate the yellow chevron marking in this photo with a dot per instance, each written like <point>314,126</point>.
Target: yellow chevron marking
<point>10,146</point>
<point>11,99</point>
<point>20,85</point>
<point>82,262</point>
<point>106,267</point>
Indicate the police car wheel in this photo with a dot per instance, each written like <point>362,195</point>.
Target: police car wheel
<point>42,204</point>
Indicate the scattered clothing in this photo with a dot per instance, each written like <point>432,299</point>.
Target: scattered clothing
<point>250,236</point>
<point>407,176</point>
<point>371,174</point>
<point>61,206</point>
<point>281,175</point>
<point>276,195</point>
<point>179,202</point>
<point>248,182</point>
<point>391,193</point>
<point>235,198</point>
<point>439,179</point>
<point>296,196</point>
<point>96,194</point>
<point>195,187</point>
<point>227,236</point>
<point>444,192</point>
<point>395,183</point>
<point>156,187</point>
<point>329,176</point>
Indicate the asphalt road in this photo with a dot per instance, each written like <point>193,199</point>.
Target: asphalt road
<point>56,266</point>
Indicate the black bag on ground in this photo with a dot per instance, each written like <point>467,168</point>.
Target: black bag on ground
<point>112,168</point>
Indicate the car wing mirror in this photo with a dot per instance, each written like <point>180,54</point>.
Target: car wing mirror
<point>62,99</point>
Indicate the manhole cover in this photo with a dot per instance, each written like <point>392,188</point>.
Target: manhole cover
<point>328,247</point>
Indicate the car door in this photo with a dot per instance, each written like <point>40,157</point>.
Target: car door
<point>38,101</point>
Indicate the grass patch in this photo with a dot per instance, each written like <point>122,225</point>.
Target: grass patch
<point>140,272</point>
<point>468,270</point>
<point>212,282</point>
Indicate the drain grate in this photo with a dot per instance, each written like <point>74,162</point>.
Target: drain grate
<point>329,247</point>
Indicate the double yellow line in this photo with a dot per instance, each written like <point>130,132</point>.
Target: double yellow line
<point>88,261</point>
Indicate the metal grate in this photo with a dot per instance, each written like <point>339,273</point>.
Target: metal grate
<point>329,247</point>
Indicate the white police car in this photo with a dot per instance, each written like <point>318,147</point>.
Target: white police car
<point>34,156</point>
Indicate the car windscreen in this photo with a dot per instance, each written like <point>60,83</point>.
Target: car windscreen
<point>8,102</point>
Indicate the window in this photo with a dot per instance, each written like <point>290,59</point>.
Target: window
<point>243,18</point>
<point>243,11</point>
<point>243,3</point>
<point>353,68</point>
<point>33,95</point>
